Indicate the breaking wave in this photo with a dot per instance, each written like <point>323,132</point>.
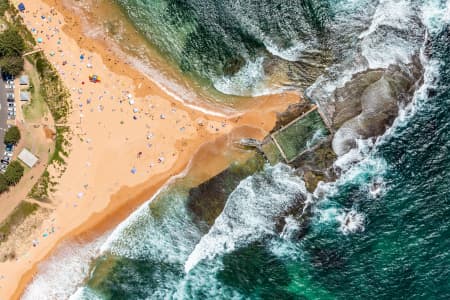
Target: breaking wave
<point>250,212</point>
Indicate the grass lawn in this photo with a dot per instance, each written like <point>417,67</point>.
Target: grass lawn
<point>37,108</point>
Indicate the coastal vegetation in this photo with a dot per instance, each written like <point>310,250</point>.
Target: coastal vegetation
<point>52,92</point>
<point>12,136</point>
<point>42,187</point>
<point>14,172</point>
<point>3,184</point>
<point>12,176</point>
<point>19,214</point>
<point>12,46</point>
<point>4,5</point>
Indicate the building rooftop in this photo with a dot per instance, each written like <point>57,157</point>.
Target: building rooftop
<point>24,80</point>
<point>24,96</point>
<point>28,158</point>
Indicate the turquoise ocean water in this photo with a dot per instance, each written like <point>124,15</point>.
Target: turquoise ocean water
<point>381,231</point>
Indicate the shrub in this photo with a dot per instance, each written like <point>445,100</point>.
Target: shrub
<point>3,183</point>
<point>12,65</point>
<point>4,5</point>
<point>14,172</point>
<point>12,136</point>
<point>41,66</point>
<point>11,43</point>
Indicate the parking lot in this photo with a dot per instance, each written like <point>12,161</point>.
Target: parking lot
<point>7,112</point>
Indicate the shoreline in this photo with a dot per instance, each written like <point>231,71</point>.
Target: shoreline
<point>132,192</point>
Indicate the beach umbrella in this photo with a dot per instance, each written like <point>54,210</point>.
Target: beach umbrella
<point>21,7</point>
<point>39,40</point>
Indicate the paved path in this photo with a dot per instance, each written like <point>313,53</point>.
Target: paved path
<point>32,52</point>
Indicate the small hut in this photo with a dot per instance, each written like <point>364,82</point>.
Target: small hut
<point>28,158</point>
<point>24,80</point>
<point>24,96</point>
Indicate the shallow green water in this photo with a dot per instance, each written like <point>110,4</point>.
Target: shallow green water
<point>232,46</point>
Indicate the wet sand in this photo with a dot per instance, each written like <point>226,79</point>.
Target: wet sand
<point>128,138</point>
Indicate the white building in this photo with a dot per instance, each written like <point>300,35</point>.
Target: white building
<point>24,80</point>
<point>28,158</point>
<point>24,96</point>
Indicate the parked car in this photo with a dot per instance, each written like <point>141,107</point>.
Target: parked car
<point>9,148</point>
<point>11,104</point>
<point>10,97</point>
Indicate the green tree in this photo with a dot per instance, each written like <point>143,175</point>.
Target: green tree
<point>12,65</point>
<point>12,136</point>
<point>11,43</point>
<point>14,172</point>
<point>3,184</point>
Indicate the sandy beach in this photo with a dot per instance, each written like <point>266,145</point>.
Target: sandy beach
<point>128,137</point>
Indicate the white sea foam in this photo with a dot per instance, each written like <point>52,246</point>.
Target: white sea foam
<point>377,188</point>
<point>292,53</point>
<point>290,228</point>
<point>318,135</point>
<point>143,234</point>
<point>59,276</point>
<point>178,92</point>
<point>390,13</point>
<point>386,48</point>
<point>250,80</point>
<point>351,222</point>
<point>435,14</point>
<point>348,221</point>
<point>328,215</point>
<point>85,293</point>
<point>249,212</point>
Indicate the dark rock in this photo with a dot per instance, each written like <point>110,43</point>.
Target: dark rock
<point>369,103</point>
<point>291,113</point>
